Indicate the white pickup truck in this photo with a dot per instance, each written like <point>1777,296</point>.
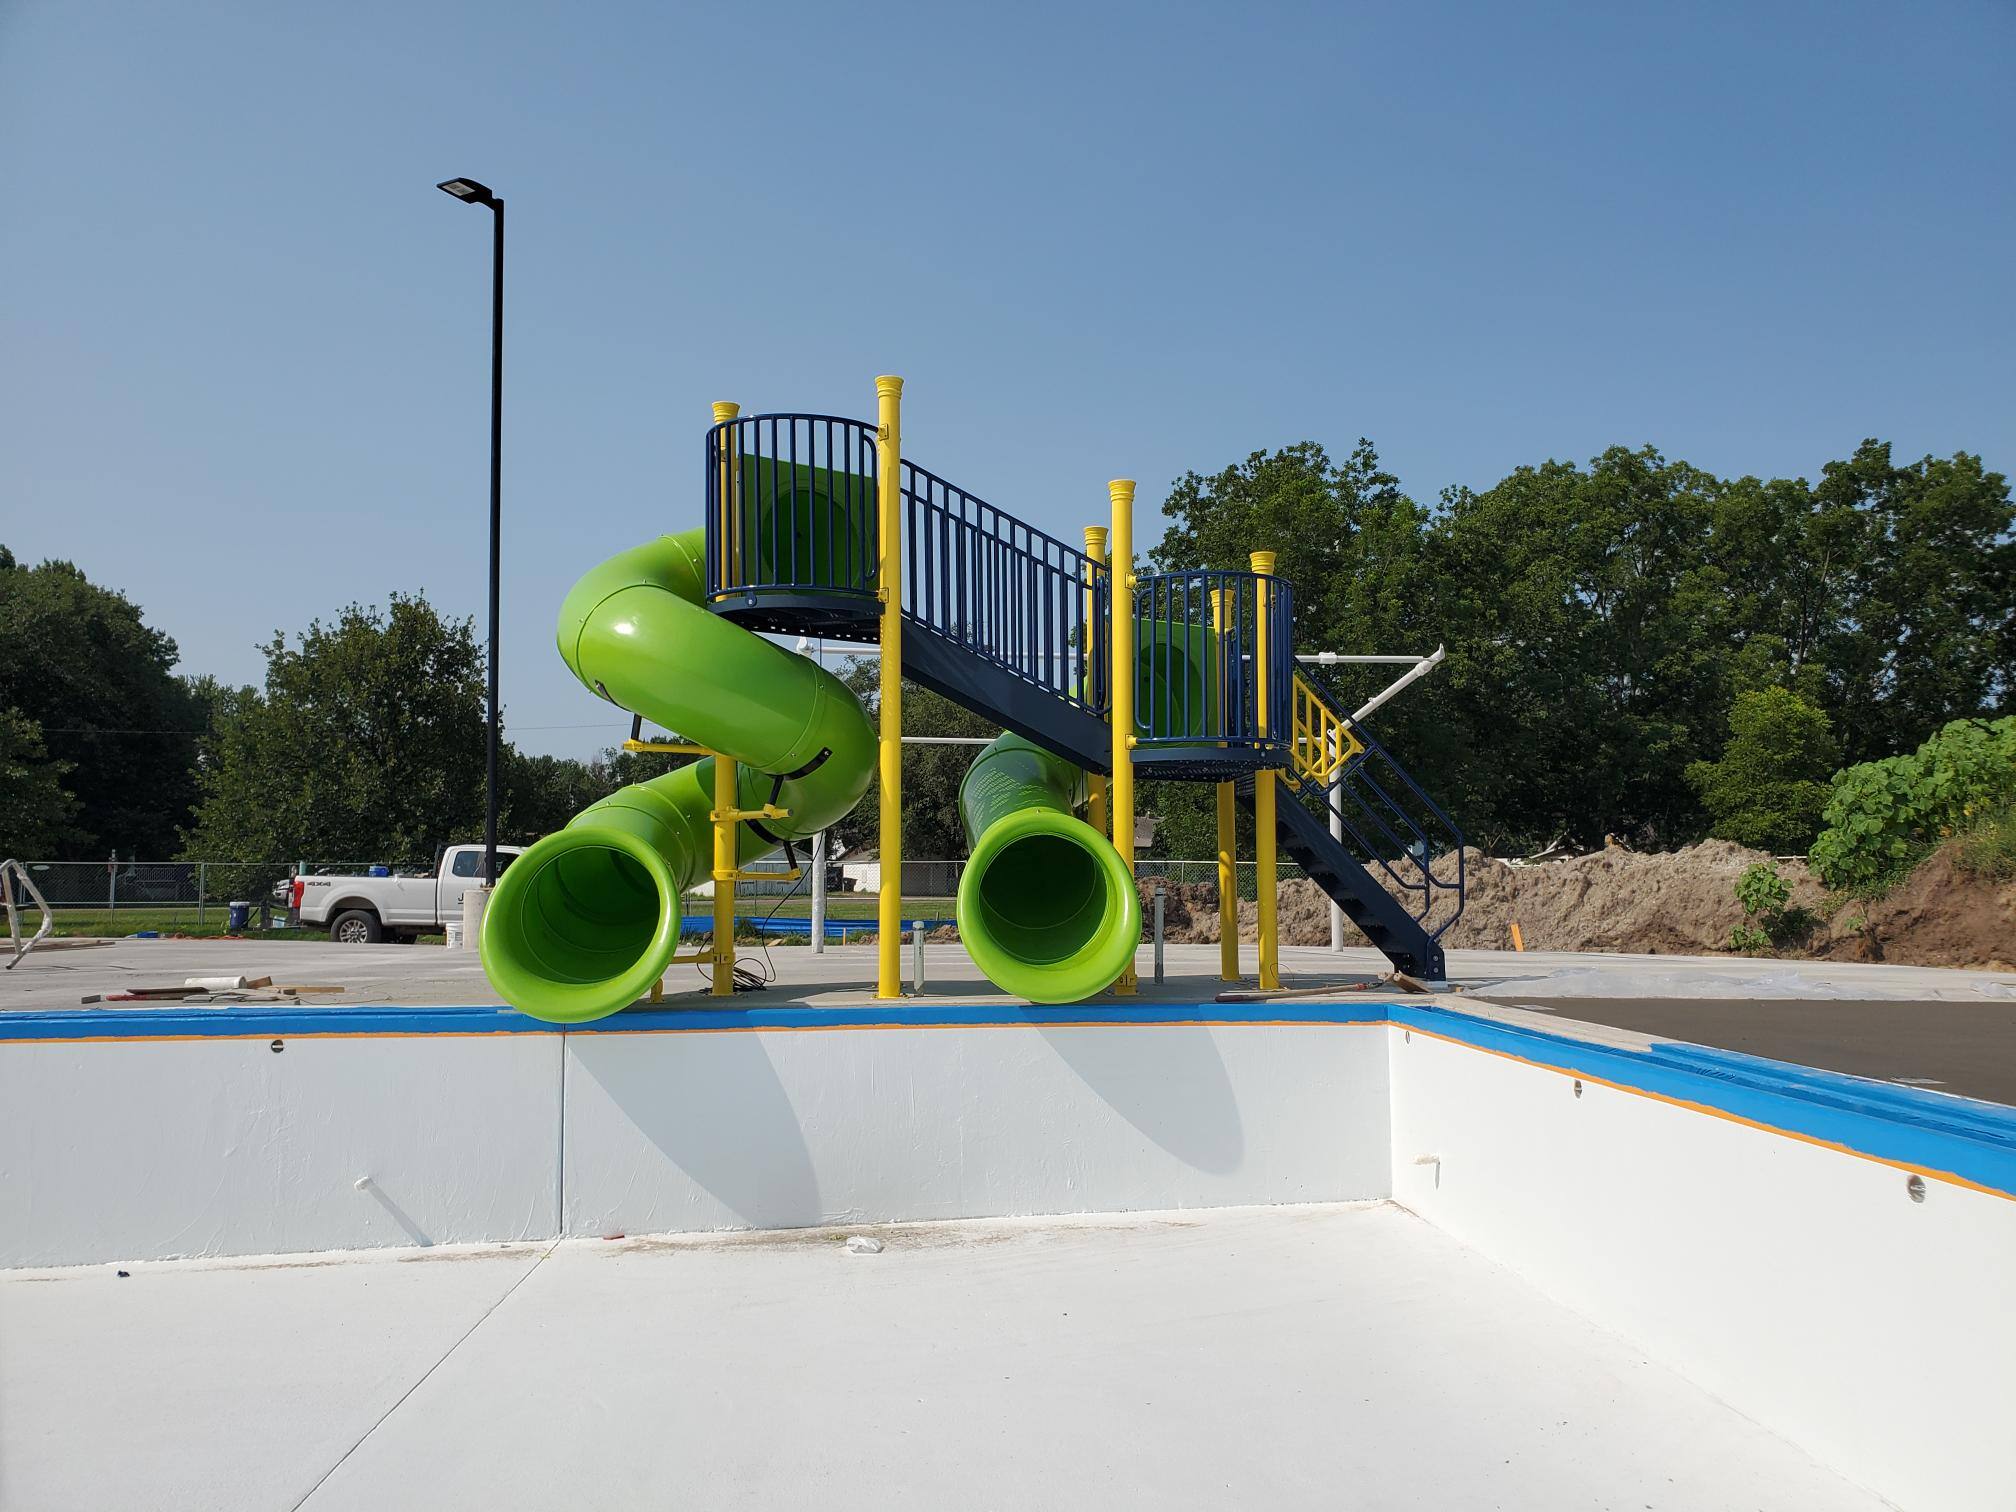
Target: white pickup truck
<point>365,910</point>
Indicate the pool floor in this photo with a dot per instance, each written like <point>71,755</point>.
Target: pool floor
<point>1328,1356</point>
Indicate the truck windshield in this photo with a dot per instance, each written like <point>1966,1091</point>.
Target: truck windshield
<point>469,863</point>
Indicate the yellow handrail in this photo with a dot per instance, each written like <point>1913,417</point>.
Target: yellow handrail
<point>1321,741</point>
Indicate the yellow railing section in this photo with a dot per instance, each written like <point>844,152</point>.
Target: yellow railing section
<point>1322,741</point>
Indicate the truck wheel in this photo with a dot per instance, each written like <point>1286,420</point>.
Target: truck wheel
<point>356,928</point>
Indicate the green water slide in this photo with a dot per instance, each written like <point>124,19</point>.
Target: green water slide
<point>586,921</point>
<point>1046,907</point>
<point>588,918</point>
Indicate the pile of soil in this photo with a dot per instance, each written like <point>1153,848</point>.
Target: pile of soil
<point>1937,916</point>
<point>1679,902</point>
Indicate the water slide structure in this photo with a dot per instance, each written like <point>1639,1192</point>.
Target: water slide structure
<point>817,525</point>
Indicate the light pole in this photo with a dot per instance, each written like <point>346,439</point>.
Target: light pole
<point>472,193</point>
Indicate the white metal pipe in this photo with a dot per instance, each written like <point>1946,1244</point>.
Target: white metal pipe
<point>1422,668</point>
<point>1339,659</point>
<point>1337,834</point>
<point>819,893</point>
<point>917,956</point>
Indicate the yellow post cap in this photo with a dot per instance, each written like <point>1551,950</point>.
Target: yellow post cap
<point>723,410</point>
<point>1121,490</point>
<point>889,386</point>
<point>1095,542</point>
<point>1263,563</point>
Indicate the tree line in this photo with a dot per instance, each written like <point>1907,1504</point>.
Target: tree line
<point>1635,647</point>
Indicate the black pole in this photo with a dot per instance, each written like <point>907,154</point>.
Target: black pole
<point>496,526</point>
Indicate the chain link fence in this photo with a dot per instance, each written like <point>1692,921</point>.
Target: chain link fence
<point>173,897</point>
<point>121,897</point>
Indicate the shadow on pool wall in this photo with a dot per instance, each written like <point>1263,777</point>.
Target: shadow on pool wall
<point>709,1129</point>
<point>1182,1099</point>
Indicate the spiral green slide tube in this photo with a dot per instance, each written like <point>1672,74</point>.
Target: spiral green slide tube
<point>587,919</point>
<point>1046,907</point>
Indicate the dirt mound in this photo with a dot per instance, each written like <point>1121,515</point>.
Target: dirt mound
<point>1937,916</point>
<point>1679,902</point>
<point>1667,903</point>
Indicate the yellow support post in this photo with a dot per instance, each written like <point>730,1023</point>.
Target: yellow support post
<point>729,503</point>
<point>1264,790</point>
<point>724,876</point>
<point>721,950</point>
<point>1095,787</point>
<point>1228,827</point>
<point>889,586</point>
<point>1120,793</point>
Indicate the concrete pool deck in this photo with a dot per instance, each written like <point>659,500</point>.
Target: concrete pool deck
<point>1925,1026</point>
<point>1319,1356</point>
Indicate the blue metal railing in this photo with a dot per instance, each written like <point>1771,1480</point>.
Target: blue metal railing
<point>1396,829</point>
<point>1003,590</point>
<point>791,509</point>
<point>1201,638</point>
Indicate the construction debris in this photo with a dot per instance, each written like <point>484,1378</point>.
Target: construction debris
<point>205,992</point>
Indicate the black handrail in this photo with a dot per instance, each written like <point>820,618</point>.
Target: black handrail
<point>1003,590</point>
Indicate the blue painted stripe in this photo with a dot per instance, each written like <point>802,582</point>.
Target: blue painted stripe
<point>262,1021</point>
<point>1907,1126</point>
<point>700,926</point>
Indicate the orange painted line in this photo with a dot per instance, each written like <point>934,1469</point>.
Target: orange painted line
<point>1949,1177</point>
<point>304,1034</point>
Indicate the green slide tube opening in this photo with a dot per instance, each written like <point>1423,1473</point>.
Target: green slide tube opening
<point>586,921</point>
<point>583,923</point>
<point>1047,909</point>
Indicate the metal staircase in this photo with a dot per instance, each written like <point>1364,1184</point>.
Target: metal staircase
<point>1365,831</point>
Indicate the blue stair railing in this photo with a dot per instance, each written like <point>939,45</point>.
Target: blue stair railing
<point>1201,639</point>
<point>1393,827</point>
<point>1001,590</point>
<point>791,523</point>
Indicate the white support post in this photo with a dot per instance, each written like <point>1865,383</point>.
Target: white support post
<point>819,893</point>
<point>1337,834</point>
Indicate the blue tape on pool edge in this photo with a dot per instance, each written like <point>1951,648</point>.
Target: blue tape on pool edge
<point>1908,1126</point>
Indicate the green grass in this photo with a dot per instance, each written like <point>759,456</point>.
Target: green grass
<point>1988,847</point>
<point>168,918</point>
<point>838,906</point>
<point>182,919</point>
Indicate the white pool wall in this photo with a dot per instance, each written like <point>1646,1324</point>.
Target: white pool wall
<point>1749,1225</point>
<point>1800,1283</point>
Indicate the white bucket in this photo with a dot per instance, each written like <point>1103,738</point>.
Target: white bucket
<point>454,931</point>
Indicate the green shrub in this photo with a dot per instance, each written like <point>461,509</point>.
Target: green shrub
<point>1764,896</point>
<point>1748,939</point>
<point>1769,786</point>
<point>1884,816</point>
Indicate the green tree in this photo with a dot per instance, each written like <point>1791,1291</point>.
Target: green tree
<point>36,811</point>
<point>1923,633</point>
<point>81,663</point>
<point>544,793</point>
<point>1584,669</point>
<point>1769,785</point>
<point>366,742</point>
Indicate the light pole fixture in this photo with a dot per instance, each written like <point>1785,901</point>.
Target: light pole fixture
<point>472,193</point>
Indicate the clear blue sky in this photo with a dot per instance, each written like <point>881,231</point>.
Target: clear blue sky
<point>243,340</point>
